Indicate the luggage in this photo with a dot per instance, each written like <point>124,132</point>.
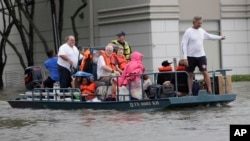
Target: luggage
<point>167,91</point>
<point>33,77</point>
<point>161,91</point>
<point>196,88</point>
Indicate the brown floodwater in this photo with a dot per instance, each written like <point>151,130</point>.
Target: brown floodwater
<point>194,124</point>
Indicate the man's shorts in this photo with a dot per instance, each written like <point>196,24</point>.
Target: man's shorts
<point>201,62</point>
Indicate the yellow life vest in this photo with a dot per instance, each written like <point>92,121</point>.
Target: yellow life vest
<point>126,48</point>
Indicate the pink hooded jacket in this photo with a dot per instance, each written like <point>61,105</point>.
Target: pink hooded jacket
<point>135,66</point>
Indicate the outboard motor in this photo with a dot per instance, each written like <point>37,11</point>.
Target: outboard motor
<point>33,77</point>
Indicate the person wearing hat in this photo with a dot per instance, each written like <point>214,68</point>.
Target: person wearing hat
<point>120,42</point>
<point>165,78</point>
<point>85,81</point>
<point>182,79</point>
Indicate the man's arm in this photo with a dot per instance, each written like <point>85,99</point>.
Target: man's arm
<point>209,36</point>
<point>66,58</point>
<point>184,44</point>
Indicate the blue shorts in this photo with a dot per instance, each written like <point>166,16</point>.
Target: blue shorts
<point>201,62</point>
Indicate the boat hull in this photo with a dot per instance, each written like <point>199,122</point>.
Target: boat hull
<point>172,102</point>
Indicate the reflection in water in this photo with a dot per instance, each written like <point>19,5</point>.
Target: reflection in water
<point>198,123</point>
<point>91,117</point>
<point>14,123</point>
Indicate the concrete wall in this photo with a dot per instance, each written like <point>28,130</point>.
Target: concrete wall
<point>209,9</point>
<point>235,25</point>
<point>153,27</point>
<point>43,20</point>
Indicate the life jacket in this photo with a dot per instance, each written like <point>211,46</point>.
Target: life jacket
<point>126,48</point>
<point>181,68</point>
<point>109,60</point>
<point>89,89</point>
<point>121,60</point>
<point>87,57</point>
<point>167,68</point>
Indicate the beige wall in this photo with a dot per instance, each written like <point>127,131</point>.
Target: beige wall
<point>209,9</point>
<point>153,27</point>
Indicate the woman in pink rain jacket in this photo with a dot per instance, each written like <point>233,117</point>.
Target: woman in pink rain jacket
<point>135,66</point>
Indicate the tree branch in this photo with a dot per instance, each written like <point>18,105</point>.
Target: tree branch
<point>73,20</point>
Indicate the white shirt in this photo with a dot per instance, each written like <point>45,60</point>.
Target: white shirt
<point>71,52</point>
<point>100,70</point>
<point>192,42</point>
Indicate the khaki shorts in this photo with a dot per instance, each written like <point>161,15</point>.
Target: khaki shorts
<point>106,79</point>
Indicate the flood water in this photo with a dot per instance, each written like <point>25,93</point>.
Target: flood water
<point>193,124</point>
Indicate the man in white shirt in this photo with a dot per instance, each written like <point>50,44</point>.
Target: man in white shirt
<point>106,68</point>
<point>193,50</point>
<point>68,57</point>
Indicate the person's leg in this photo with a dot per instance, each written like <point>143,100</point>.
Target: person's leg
<point>114,85</point>
<point>192,63</point>
<point>191,77</point>
<point>203,69</point>
<point>207,80</point>
<point>65,77</point>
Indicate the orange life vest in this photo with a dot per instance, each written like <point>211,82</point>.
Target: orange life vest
<point>167,68</point>
<point>109,60</point>
<point>181,68</point>
<point>87,56</point>
<point>89,89</point>
<point>121,60</point>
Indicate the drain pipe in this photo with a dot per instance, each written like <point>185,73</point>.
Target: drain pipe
<point>91,24</point>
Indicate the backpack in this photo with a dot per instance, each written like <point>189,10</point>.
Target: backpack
<point>195,88</point>
<point>167,91</point>
<point>162,91</point>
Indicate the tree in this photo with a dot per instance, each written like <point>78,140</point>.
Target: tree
<point>78,10</point>
<point>14,14</point>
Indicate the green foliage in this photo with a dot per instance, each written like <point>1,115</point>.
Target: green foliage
<point>236,78</point>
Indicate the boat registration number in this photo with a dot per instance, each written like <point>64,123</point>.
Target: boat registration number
<point>147,103</point>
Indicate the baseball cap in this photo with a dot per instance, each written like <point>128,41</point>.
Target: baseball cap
<point>122,33</point>
<point>166,63</point>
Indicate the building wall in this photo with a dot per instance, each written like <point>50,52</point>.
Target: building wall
<point>153,27</point>
<point>235,25</point>
<point>43,21</point>
<point>209,9</point>
<point>148,25</point>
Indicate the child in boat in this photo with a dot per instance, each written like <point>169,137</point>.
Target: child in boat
<point>85,81</point>
<point>88,87</point>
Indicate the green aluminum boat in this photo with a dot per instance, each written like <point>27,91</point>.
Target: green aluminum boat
<point>55,99</point>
